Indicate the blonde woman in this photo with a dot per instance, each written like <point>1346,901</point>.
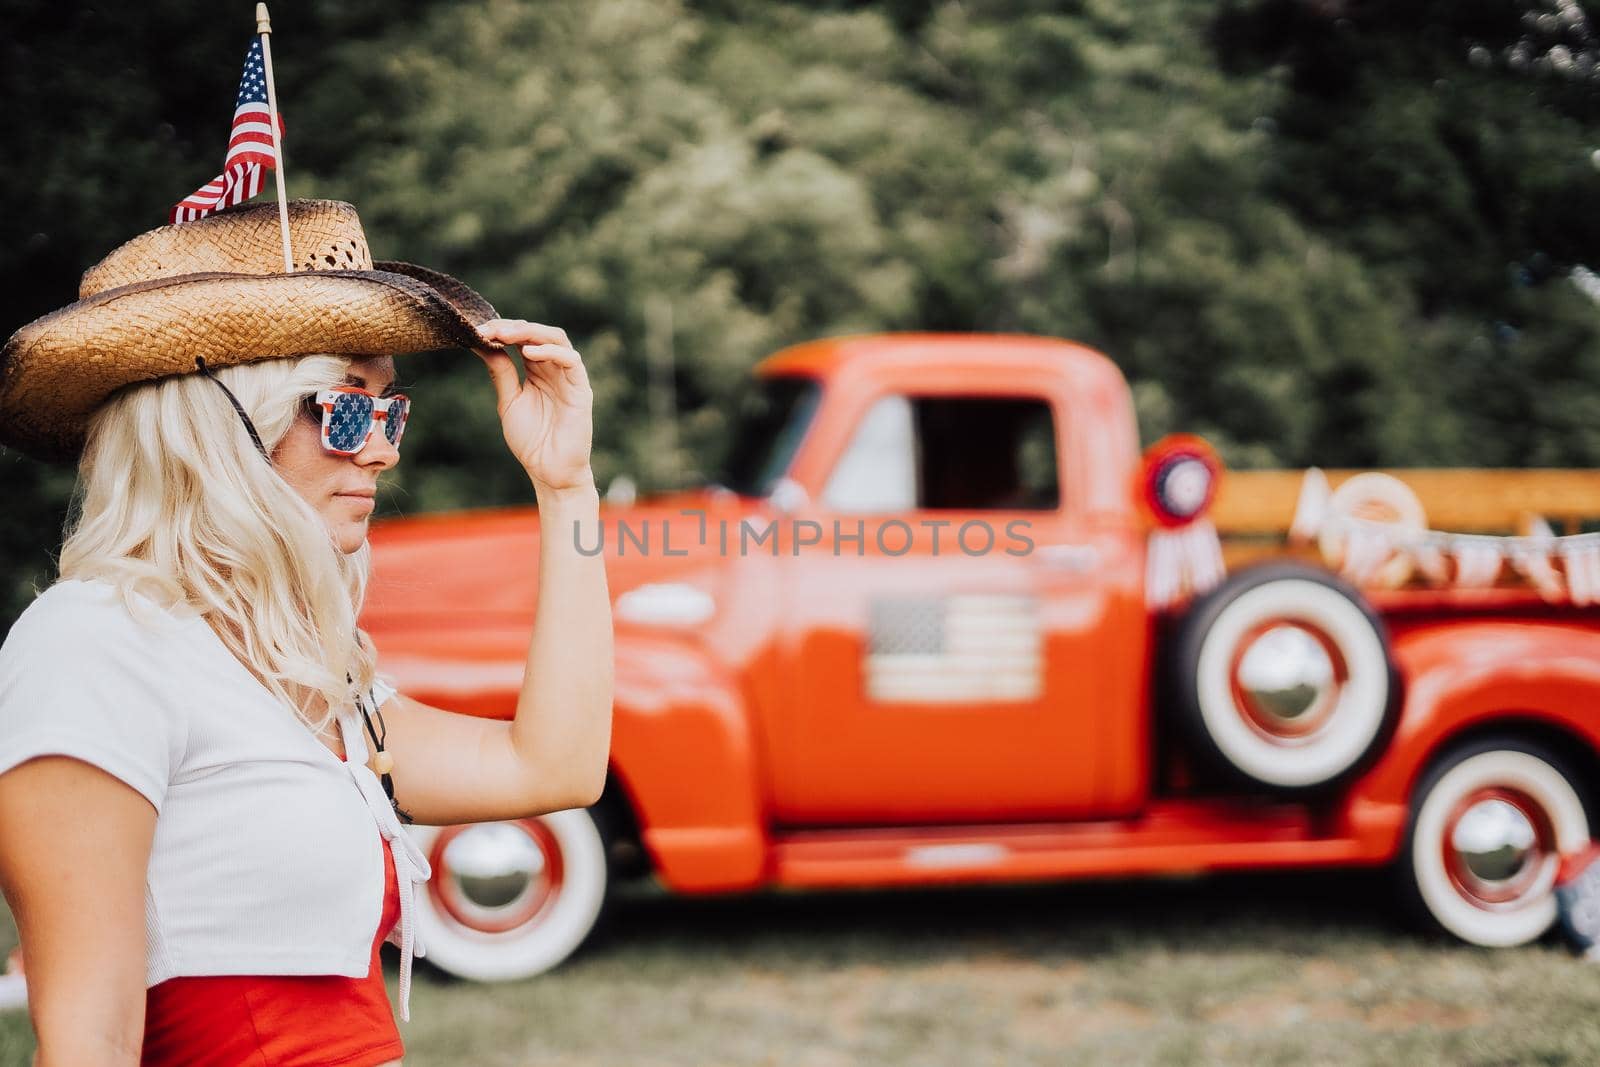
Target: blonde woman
<point>203,774</point>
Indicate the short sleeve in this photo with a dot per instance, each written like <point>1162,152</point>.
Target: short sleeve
<point>381,692</point>
<point>81,677</point>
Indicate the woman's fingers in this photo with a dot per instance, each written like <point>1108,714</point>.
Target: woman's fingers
<point>502,372</point>
<point>546,353</point>
<point>558,354</point>
<point>561,360</point>
<point>521,332</point>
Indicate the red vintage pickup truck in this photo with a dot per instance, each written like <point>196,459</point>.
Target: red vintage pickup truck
<point>908,641</point>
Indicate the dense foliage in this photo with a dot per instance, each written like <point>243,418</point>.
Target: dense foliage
<point>1330,231</point>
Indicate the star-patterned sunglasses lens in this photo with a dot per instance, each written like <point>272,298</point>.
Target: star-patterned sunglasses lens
<point>348,422</point>
<point>394,420</point>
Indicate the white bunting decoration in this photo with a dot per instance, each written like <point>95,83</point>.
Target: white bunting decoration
<point>1363,547</point>
<point>1478,561</point>
<point>1531,557</point>
<point>1432,562</point>
<point>1582,563</point>
<point>1311,510</point>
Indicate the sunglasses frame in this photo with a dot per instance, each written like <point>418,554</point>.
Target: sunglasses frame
<point>327,398</point>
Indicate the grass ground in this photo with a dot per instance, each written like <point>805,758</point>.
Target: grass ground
<point>1260,970</point>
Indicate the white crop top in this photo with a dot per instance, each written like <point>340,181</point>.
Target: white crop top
<point>266,858</point>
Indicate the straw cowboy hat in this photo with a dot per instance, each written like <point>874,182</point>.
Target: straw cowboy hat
<point>215,288</point>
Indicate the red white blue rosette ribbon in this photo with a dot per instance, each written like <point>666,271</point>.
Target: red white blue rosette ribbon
<point>1180,478</point>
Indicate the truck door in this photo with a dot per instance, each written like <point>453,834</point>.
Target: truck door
<point>946,646</point>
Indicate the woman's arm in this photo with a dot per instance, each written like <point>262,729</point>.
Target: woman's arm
<point>455,768</point>
<point>74,850</point>
<point>451,768</point>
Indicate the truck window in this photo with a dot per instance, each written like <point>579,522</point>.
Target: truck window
<point>878,472</point>
<point>767,429</point>
<point>968,453</point>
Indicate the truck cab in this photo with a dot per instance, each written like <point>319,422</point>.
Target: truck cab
<point>946,649</point>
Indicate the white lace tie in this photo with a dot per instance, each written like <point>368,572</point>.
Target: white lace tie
<point>410,865</point>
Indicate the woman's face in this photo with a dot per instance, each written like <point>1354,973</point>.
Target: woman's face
<point>341,489</point>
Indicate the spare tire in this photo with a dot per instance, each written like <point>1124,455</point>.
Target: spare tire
<point>1281,678</point>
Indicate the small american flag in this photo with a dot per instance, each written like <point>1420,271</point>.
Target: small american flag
<point>250,151</point>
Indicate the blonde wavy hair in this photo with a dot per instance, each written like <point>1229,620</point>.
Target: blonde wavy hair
<point>174,503</point>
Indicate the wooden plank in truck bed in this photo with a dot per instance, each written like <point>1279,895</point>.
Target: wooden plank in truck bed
<point>1464,500</point>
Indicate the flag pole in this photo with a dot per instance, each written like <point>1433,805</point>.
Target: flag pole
<point>264,28</point>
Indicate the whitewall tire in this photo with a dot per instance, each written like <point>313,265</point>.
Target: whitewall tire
<point>1487,831</point>
<point>509,900</point>
<point>1283,679</point>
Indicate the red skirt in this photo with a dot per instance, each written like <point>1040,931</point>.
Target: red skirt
<point>277,1020</point>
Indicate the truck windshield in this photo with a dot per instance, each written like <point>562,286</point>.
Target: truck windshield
<point>767,429</point>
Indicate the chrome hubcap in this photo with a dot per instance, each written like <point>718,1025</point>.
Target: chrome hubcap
<point>492,865</point>
<point>493,877</point>
<point>1495,841</point>
<point>1286,680</point>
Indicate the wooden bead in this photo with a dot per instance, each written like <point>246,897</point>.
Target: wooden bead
<point>382,763</point>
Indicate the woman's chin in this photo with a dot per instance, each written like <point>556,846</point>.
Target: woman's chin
<point>350,536</point>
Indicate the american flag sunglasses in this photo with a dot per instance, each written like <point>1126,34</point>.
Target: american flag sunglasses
<point>351,414</point>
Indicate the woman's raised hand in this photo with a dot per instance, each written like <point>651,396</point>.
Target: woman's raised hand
<point>547,413</point>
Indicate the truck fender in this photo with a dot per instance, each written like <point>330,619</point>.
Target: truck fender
<point>1468,678</point>
<point>681,743</point>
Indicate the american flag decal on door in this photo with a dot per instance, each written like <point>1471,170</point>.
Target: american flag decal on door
<point>954,649</point>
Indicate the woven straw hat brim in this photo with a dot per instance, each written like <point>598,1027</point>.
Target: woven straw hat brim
<point>55,371</point>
